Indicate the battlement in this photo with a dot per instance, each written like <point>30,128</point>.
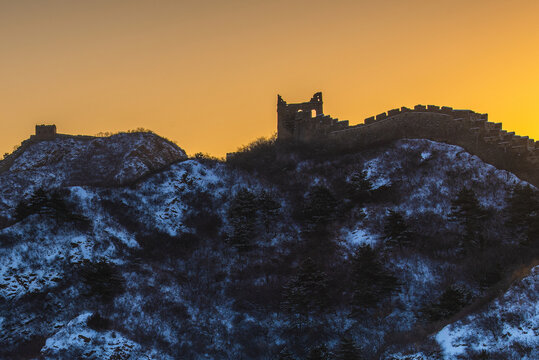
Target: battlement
<point>44,132</point>
<point>458,114</point>
<point>306,122</point>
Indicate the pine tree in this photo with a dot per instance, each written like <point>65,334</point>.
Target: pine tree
<point>358,186</point>
<point>523,213</point>
<point>44,202</point>
<point>22,210</point>
<point>467,211</point>
<point>452,300</point>
<point>269,208</point>
<point>319,353</point>
<point>533,231</point>
<point>371,281</point>
<point>396,230</point>
<point>242,215</point>
<point>320,206</point>
<point>57,206</point>
<point>521,204</point>
<point>307,292</point>
<point>103,278</point>
<point>348,350</point>
<point>285,355</point>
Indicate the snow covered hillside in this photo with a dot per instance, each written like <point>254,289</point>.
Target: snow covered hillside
<point>67,161</point>
<point>507,329</point>
<point>368,253</point>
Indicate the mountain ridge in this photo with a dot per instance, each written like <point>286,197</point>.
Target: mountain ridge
<point>197,259</point>
<point>117,160</point>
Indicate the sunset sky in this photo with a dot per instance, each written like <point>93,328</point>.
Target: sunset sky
<point>207,73</point>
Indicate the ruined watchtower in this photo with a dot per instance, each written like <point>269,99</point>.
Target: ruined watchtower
<point>305,121</point>
<point>290,115</point>
<point>45,132</point>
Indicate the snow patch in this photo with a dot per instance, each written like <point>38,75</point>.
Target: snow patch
<point>359,237</point>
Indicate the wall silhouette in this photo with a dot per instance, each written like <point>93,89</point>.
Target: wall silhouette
<point>45,132</point>
<point>465,128</point>
<point>303,121</point>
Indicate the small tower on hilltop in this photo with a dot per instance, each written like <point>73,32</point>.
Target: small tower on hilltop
<point>289,115</point>
<point>45,132</point>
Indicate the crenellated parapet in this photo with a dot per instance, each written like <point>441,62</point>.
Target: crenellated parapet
<point>44,132</point>
<point>465,128</point>
<point>465,122</point>
<point>446,110</point>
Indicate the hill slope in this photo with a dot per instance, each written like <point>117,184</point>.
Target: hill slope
<point>67,161</point>
<point>209,260</point>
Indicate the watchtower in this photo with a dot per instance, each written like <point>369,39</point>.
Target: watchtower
<point>45,132</point>
<point>289,115</point>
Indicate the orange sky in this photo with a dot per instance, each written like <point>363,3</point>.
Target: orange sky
<point>206,73</point>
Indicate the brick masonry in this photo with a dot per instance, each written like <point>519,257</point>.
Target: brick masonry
<point>306,122</point>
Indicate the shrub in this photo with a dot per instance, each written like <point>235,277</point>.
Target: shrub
<point>306,292</point>
<point>242,215</point>
<point>51,203</point>
<point>396,230</point>
<point>348,350</point>
<point>159,245</point>
<point>452,300</point>
<point>206,159</point>
<point>523,213</point>
<point>358,187</point>
<point>97,322</point>
<point>320,205</point>
<point>371,281</point>
<point>320,352</point>
<point>29,348</point>
<point>103,279</point>
<point>468,212</point>
<point>124,214</point>
<point>252,156</point>
<point>201,215</point>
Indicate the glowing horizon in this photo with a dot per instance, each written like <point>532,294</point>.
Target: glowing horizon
<point>207,74</point>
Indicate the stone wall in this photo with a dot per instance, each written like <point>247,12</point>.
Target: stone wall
<point>466,128</point>
<point>305,121</point>
<point>45,132</point>
<point>295,118</point>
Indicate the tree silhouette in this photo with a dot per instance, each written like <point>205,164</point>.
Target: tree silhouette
<point>523,213</point>
<point>467,211</point>
<point>320,206</point>
<point>47,202</point>
<point>104,279</point>
<point>452,300</point>
<point>284,354</point>
<point>319,353</point>
<point>306,293</point>
<point>269,208</point>
<point>242,215</point>
<point>348,350</point>
<point>358,187</point>
<point>371,281</point>
<point>396,230</point>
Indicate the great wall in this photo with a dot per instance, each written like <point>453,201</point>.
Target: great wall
<point>43,133</point>
<point>306,122</point>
